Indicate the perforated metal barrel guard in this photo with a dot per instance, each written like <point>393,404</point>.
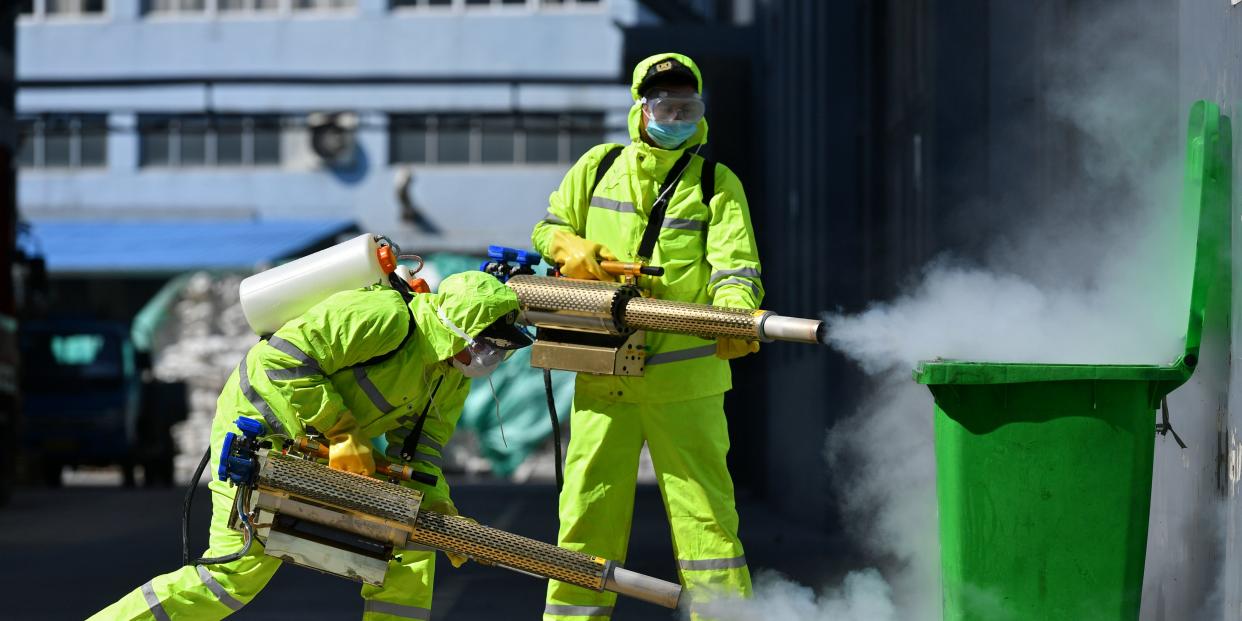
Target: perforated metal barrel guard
<point>498,547</point>
<point>697,319</point>
<point>299,477</point>
<point>583,298</point>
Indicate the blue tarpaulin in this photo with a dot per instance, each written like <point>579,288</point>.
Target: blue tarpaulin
<point>171,246</point>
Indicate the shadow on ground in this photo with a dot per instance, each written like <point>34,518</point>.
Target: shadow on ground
<point>69,552</point>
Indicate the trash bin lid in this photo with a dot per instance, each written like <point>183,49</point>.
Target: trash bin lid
<point>1206,195</point>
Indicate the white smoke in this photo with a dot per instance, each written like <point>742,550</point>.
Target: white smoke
<point>863,596</point>
<point>1098,274</point>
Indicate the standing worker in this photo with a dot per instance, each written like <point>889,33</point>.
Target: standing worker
<point>359,365</point>
<point>656,199</point>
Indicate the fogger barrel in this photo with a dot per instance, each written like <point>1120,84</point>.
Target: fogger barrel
<point>302,502</point>
<point>618,309</point>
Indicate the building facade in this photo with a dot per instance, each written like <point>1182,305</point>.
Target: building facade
<point>442,123</point>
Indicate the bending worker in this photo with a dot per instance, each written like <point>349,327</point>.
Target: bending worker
<point>359,365</point>
<point>656,199</point>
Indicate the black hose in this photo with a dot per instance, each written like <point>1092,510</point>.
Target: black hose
<point>247,533</point>
<point>189,501</point>
<point>556,429</point>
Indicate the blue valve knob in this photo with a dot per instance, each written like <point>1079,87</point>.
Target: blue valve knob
<point>226,451</point>
<point>506,254</point>
<point>237,454</point>
<point>249,426</point>
<point>500,253</point>
<point>526,257</point>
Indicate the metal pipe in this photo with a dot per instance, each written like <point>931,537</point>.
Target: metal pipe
<point>652,590</point>
<point>777,328</point>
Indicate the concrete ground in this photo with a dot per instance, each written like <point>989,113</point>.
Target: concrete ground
<point>67,553</point>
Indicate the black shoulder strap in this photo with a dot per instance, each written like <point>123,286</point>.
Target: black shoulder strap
<point>707,182</point>
<point>655,220</point>
<point>604,164</point>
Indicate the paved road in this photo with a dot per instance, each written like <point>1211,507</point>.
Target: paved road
<point>67,553</point>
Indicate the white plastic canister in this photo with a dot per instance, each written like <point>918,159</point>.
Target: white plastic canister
<point>273,297</point>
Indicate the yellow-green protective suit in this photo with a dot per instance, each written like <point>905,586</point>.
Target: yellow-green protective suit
<point>306,375</point>
<point>709,256</point>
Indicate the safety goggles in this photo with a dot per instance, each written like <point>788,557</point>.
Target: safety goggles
<point>664,108</point>
<point>482,351</point>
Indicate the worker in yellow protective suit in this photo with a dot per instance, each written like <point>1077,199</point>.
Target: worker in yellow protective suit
<point>359,365</point>
<point>700,233</point>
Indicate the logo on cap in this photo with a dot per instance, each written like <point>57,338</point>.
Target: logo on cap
<point>664,66</point>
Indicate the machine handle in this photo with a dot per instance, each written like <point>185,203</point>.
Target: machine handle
<point>315,448</point>
<point>631,268</point>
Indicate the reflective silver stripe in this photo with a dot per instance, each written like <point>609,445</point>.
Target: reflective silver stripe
<point>285,347</point>
<point>685,224</point>
<point>398,610</point>
<point>577,611</point>
<point>424,456</point>
<point>748,272</point>
<point>713,563</point>
<point>256,400</point>
<point>608,203</point>
<point>753,287</point>
<point>153,603</point>
<point>217,589</point>
<point>682,354</point>
<point>373,393</point>
<point>552,219</point>
<point>279,375</point>
<point>402,433</point>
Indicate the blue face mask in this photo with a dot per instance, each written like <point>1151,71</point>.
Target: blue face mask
<point>670,135</point>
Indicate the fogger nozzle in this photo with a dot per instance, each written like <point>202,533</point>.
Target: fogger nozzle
<point>573,304</point>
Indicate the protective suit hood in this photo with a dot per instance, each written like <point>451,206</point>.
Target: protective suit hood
<point>471,300</point>
<point>636,111</point>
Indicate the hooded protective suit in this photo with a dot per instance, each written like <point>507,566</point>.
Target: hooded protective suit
<point>311,373</point>
<point>707,249</point>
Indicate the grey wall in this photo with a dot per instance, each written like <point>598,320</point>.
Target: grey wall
<point>808,218</point>
<point>1205,553</point>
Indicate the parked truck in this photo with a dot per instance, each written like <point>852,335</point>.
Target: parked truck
<point>89,399</point>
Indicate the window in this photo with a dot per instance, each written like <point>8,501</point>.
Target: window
<point>493,139</point>
<point>219,140</point>
<point>62,8</point>
<point>421,3</point>
<point>556,4</point>
<point>241,7</point>
<point>63,141</point>
<point>481,4</point>
<point>233,7</point>
<point>322,5</point>
<point>175,7</point>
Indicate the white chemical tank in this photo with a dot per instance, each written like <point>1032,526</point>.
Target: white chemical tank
<point>273,297</point>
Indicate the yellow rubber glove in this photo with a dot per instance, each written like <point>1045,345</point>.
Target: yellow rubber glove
<point>445,506</point>
<point>577,257</point>
<point>347,449</point>
<point>728,349</point>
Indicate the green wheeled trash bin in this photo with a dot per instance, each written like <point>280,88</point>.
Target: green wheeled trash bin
<point>1044,471</point>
